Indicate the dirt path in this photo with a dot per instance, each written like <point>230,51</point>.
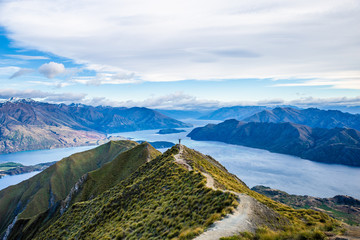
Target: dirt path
<point>232,224</point>
<point>179,159</point>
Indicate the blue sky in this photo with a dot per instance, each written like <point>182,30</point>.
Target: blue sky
<point>181,54</point>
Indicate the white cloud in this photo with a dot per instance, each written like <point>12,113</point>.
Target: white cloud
<point>51,69</point>
<point>181,101</point>
<point>182,39</point>
<point>26,57</point>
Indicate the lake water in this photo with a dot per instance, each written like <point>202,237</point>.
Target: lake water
<point>35,157</point>
<point>253,166</point>
<point>260,167</point>
<point>15,179</point>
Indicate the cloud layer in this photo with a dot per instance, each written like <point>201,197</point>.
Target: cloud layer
<point>46,96</point>
<point>206,39</point>
<point>181,101</point>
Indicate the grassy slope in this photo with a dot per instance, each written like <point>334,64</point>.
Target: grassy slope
<point>161,200</point>
<point>301,220</point>
<point>54,183</point>
<point>115,171</point>
<point>92,185</point>
<point>344,212</point>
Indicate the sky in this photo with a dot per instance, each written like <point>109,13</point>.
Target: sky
<point>181,54</point>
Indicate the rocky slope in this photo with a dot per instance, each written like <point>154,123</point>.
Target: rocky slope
<point>338,145</point>
<point>344,208</point>
<point>31,125</point>
<point>312,117</point>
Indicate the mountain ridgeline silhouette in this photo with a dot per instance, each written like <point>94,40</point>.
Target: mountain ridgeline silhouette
<point>312,117</point>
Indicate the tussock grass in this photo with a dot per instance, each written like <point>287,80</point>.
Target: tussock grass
<point>161,200</point>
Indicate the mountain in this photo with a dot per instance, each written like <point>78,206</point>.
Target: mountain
<point>35,195</point>
<point>30,125</point>
<point>343,208</point>
<point>338,145</point>
<point>180,194</point>
<point>312,117</point>
<point>235,112</point>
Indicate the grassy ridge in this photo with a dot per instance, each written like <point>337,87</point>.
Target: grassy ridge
<point>115,171</point>
<point>53,184</point>
<point>161,200</point>
<point>305,221</point>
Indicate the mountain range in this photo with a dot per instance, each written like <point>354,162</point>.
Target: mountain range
<point>311,117</point>
<point>235,112</point>
<point>125,190</point>
<point>337,145</point>
<point>29,125</point>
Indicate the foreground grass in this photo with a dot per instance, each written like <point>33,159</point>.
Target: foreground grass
<point>293,224</point>
<point>33,196</point>
<point>161,200</point>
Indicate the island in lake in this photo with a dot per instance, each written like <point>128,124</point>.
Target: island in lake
<point>170,131</point>
<point>11,168</point>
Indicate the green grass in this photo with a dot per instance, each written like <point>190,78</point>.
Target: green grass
<point>115,171</point>
<point>299,220</point>
<point>161,200</point>
<point>335,210</point>
<point>57,180</point>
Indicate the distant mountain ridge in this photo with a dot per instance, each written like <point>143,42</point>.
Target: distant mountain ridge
<point>235,112</point>
<point>312,117</point>
<point>26,124</point>
<point>338,145</point>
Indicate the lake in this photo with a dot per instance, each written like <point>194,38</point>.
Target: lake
<point>261,167</point>
<point>35,157</point>
<point>254,166</point>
